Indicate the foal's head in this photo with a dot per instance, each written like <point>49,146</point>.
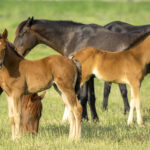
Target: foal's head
<point>25,40</point>
<point>3,38</point>
<point>31,113</point>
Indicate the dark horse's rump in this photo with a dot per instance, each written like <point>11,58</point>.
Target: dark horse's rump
<point>67,37</point>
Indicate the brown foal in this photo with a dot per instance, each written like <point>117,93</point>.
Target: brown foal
<point>127,67</point>
<point>31,113</point>
<point>20,76</point>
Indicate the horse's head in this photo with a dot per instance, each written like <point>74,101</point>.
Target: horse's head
<point>3,38</point>
<point>31,113</point>
<point>25,40</point>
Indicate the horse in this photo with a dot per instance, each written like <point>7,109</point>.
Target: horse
<point>31,113</point>
<point>120,27</point>
<point>130,67</point>
<point>19,77</point>
<point>66,37</point>
<point>123,27</point>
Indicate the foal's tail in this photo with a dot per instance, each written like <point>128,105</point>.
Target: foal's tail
<point>77,85</point>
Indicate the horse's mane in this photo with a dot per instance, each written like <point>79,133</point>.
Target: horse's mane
<point>37,104</point>
<point>138,40</point>
<point>61,23</point>
<point>13,48</point>
<point>20,27</point>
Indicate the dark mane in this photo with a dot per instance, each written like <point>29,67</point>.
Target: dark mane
<point>14,49</point>
<point>20,26</point>
<point>138,40</point>
<point>36,106</point>
<point>64,23</point>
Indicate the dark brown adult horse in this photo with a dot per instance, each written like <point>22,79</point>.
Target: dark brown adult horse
<point>129,67</point>
<point>31,113</point>
<point>120,27</point>
<point>19,76</point>
<point>66,37</point>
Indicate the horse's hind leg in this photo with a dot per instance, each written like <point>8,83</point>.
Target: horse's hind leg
<point>123,90</point>
<point>11,115</point>
<point>71,117</point>
<point>92,99</point>
<point>77,114</point>
<point>83,98</point>
<point>107,88</point>
<point>73,106</point>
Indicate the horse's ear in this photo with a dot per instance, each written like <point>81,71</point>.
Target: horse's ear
<point>29,21</point>
<point>5,34</point>
<point>43,94</point>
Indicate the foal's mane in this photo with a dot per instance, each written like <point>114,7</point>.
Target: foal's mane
<point>138,40</point>
<point>13,48</point>
<point>37,104</point>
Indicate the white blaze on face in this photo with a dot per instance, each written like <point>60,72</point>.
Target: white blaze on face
<point>0,43</point>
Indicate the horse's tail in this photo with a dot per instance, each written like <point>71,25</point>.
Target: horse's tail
<point>77,85</point>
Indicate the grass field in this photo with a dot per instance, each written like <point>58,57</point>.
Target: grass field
<point>112,132</point>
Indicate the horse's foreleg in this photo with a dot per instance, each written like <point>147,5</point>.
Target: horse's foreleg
<point>17,115</point>
<point>92,99</point>
<point>123,90</point>
<point>107,88</point>
<point>11,115</point>
<point>135,103</point>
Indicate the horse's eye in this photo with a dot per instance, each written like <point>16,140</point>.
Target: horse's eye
<point>22,34</point>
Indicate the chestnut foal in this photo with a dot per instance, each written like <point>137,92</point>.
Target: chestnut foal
<point>20,76</point>
<point>129,67</point>
<point>31,113</point>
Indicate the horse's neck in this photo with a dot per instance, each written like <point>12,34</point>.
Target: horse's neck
<point>55,37</point>
<point>142,50</point>
<point>11,58</point>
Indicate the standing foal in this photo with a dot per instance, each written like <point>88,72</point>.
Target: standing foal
<point>129,67</point>
<point>20,76</point>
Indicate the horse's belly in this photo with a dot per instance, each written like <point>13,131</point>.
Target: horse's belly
<point>110,76</point>
<point>38,85</point>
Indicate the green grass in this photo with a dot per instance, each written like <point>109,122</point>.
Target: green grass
<point>112,132</point>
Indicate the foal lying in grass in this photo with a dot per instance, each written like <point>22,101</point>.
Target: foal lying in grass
<point>20,76</point>
<point>127,67</point>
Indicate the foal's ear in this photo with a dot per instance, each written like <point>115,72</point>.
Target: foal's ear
<point>5,34</point>
<point>29,21</point>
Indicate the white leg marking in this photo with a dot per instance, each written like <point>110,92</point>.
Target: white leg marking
<point>130,118</point>
<point>66,114</point>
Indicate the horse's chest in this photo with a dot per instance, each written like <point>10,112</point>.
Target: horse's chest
<point>9,85</point>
